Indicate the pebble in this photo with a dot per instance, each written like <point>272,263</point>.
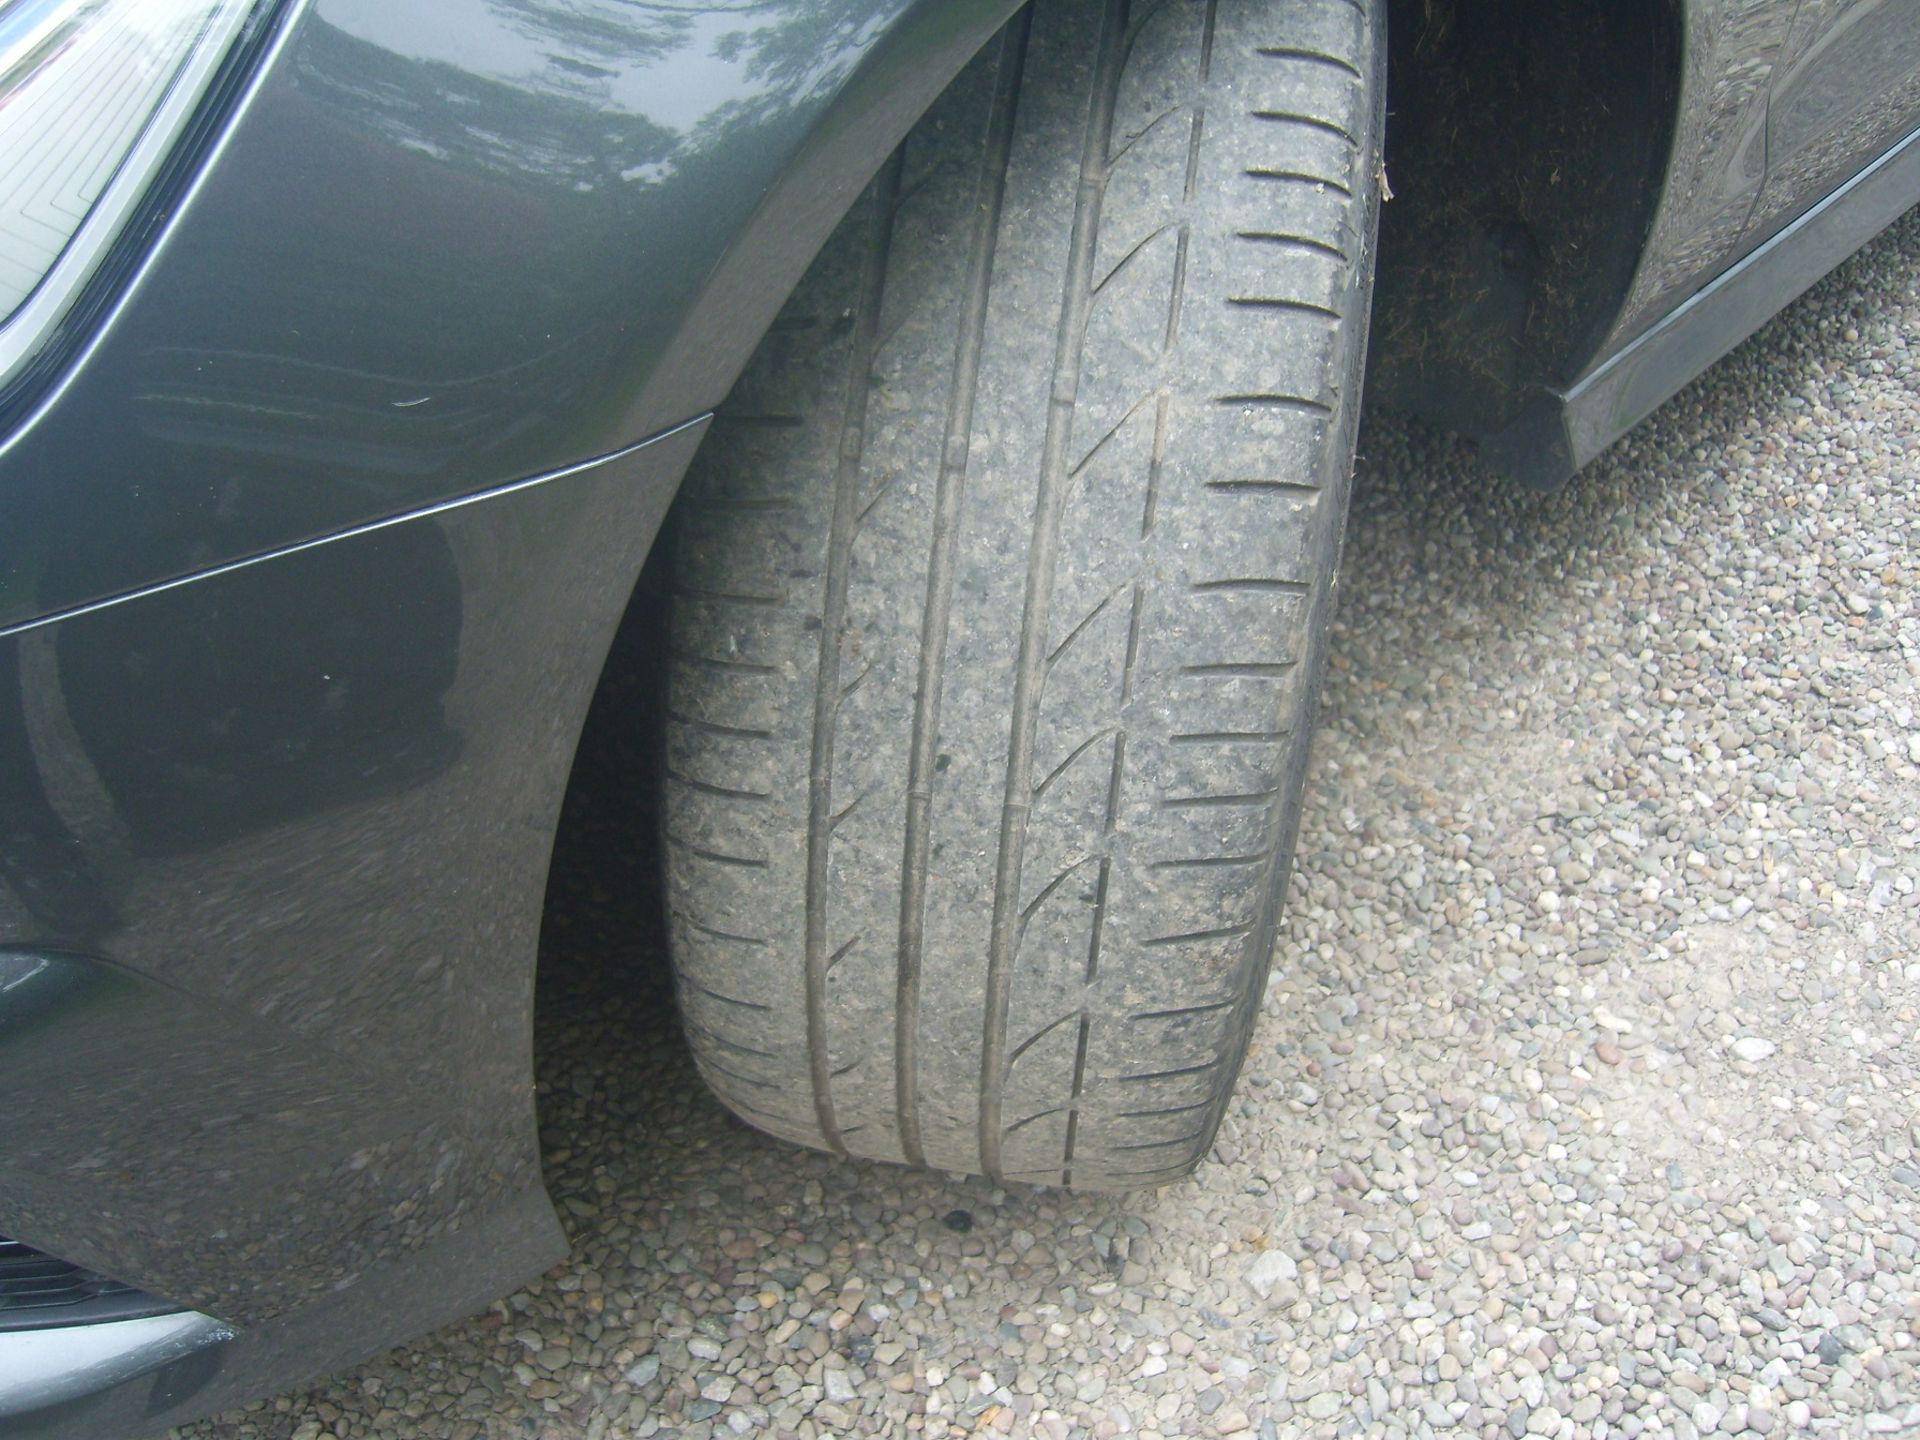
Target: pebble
<point>1268,1270</point>
<point>839,1387</point>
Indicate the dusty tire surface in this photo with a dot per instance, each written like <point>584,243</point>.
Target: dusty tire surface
<point>1000,589</point>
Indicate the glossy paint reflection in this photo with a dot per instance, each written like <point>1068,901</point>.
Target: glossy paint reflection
<point>1848,88</point>
<point>241,729</point>
<point>47,878</point>
<point>1782,103</point>
<point>279,765</point>
<point>278,1040</point>
<point>449,246</point>
<point>1719,158</point>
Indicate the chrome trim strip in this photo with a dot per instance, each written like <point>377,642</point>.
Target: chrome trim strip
<point>39,1368</point>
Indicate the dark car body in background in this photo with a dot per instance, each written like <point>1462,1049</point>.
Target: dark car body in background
<point>317,518</point>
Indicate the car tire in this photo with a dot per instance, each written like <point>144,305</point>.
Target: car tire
<point>1001,590</point>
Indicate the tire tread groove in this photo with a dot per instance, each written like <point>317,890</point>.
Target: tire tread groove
<point>829,694</point>
<point>943,549</point>
<point>1069,345</point>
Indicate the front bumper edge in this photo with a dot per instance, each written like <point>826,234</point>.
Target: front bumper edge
<point>43,1369</point>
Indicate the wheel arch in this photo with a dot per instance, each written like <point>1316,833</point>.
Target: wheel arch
<point>1528,148</point>
<point>923,47</point>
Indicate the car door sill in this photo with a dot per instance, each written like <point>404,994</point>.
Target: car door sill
<point>1560,431</point>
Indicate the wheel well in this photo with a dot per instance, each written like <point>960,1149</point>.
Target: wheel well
<point>1526,149</point>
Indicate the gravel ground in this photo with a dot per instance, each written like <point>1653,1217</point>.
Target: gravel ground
<point>1586,1100</point>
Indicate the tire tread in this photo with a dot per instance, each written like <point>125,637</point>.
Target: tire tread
<point>1097,883</point>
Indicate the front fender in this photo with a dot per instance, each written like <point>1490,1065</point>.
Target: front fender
<point>309,561</point>
<point>450,244</point>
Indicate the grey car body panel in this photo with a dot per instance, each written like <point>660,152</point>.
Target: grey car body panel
<point>453,1275</point>
<point>1846,88</point>
<point>1780,102</point>
<point>1786,110</point>
<point>1564,431</point>
<point>1719,158</point>
<point>279,1052</point>
<point>602,208</point>
<point>308,565</point>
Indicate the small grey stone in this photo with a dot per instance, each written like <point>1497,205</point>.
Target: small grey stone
<point>1853,1338</point>
<point>1323,1406</point>
<point>839,1387</point>
<point>1269,1269</point>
